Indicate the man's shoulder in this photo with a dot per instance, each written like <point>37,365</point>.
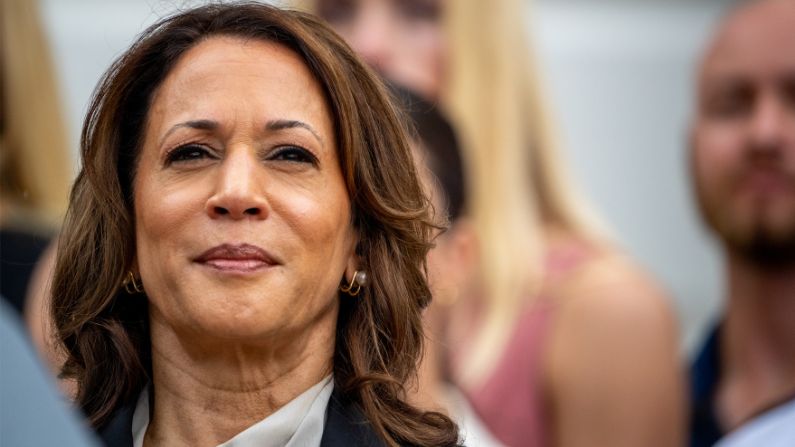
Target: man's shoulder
<point>704,376</point>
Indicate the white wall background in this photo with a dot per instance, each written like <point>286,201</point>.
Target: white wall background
<point>620,77</point>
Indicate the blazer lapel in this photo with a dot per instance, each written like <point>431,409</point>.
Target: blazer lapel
<point>117,432</point>
<point>346,426</point>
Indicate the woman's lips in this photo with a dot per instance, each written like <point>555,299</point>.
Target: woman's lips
<point>236,258</point>
<point>245,265</point>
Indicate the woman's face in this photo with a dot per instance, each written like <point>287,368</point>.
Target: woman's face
<point>401,39</point>
<point>243,224</point>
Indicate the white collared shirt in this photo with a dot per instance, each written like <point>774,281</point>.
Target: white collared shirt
<point>775,428</point>
<point>297,424</point>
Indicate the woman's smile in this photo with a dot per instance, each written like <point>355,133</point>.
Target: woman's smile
<point>236,258</point>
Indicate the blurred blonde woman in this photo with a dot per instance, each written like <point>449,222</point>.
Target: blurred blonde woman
<point>35,166</point>
<point>555,337</point>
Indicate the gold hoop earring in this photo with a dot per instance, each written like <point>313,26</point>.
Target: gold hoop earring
<point>357,282</point>
<point>131,285</point>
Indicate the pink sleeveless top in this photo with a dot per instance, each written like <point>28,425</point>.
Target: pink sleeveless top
<point>510,402</point>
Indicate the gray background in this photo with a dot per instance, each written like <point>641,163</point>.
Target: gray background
<point>620,75</point>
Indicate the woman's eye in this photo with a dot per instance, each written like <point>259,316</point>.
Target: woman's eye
<point>187,153</point>
<point>294,154</point>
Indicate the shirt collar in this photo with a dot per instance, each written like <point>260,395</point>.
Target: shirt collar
<point>298,423</point>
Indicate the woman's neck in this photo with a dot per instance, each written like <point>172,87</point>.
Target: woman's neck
<point>205,394</point>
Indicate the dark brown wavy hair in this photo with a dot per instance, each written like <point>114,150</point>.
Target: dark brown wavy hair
<point>105,332</point>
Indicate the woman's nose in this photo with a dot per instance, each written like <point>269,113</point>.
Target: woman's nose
<point>239,191</point>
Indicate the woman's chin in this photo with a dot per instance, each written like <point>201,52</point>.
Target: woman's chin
<point>220,319</point>
<point>209,334</point>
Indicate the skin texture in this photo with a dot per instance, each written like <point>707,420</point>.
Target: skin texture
<point>232,344</point>
<point>402,39</point>
<point>612,370</point>
<point>743,155</point>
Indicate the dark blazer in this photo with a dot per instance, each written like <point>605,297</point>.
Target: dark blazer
<point>345,426</point>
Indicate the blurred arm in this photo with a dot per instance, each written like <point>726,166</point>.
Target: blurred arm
<point>614,376</point>
<point>39,319</point>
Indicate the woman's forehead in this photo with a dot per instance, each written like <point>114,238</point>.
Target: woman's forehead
<point>224,78</point>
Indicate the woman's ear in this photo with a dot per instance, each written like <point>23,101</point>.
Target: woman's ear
<point>134,267</point>
<point>353,262</point>
<point>353,265</point>
<point>355,277</point>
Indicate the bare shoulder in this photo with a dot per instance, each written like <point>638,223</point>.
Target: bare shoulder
<point>599,279</point>
<point>610,286</point>
<point>611,304</point>
<point>612,358</point>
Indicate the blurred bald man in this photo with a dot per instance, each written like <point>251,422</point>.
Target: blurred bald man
<point>743,163</point>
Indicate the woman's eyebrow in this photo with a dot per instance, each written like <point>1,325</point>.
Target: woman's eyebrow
<point>203,124</point>
<point>276,125</point>
<point>273,125</point>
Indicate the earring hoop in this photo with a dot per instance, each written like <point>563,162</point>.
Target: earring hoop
<point>131,285</point>
<point>359,279</point>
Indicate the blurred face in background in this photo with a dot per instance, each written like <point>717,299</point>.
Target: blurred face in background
<point>451,261</point>
<point>402,39</point>
<point>744,133</point>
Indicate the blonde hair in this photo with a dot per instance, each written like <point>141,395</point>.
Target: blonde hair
<point>35,164</point>
<point>517,182</point>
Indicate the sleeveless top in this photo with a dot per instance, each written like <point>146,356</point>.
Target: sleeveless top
<point>511,401</point>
